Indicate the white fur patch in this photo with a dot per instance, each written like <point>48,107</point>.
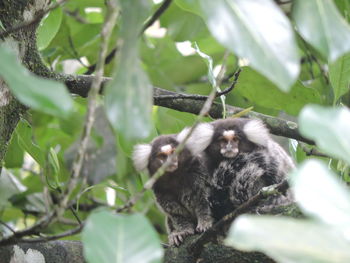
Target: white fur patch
<point>167,149</point>
<point>256,132</point>
<point>141,155</point>
<point>199,139</point>
<point>229,134</point>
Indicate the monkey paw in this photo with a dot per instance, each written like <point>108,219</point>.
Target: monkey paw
<point>176,238</point>
<point>204,226</point>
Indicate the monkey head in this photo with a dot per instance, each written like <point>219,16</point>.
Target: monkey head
<point>226,138</point>
<point>153,155</point>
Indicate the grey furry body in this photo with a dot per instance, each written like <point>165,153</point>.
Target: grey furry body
<point>182,193</point>
<point>237,180</point>
<point>241,158</point>
<point>184,197</point>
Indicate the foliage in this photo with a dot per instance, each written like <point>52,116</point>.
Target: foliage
<point>290,57</point>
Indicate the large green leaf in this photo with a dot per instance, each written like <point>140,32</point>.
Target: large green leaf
<point>321,194</point>
<point>320,23</point>
<point>329,128</point>
<point>48,28</point>
<point>259,32</point>
<point>260,90</point>
<point>38,93</point>
<point>112,238</point>
<point>339,75</point>
<point>128,96</point>
<point>289,240</point>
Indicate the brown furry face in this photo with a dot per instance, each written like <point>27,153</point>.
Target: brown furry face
<point>163,148</point>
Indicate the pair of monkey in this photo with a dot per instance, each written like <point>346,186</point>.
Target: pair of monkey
<point>223,164</point>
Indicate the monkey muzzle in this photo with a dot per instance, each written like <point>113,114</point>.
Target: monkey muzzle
<point>173,163</point>
<point>229,151</point>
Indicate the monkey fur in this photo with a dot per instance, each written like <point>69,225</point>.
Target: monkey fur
<point>182,192</point>
<point>241,159</point>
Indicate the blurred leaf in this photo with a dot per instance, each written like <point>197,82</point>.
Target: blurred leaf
<point>38,93</point>
<point>14,154</point>
<point>9,186</point>
<point>259,32</point>
<point>329,128</point>
<point>289,240</point>
<point>128,96</point>
<point>320,23</point>
<point>321,194</point>
<point>48,28</point>
<point>258,89</point>
<point>190,5</point>
<point>24,133</point>
<point>339,75</point>
<point>120,239</point>
<point>189,27</point>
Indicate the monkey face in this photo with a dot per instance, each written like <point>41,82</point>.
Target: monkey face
<point>165,154</point>
<point>229,144</point>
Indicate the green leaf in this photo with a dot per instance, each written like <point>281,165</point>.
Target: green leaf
<point>14,154</point>
<point>320,23</point>
<point>321,194</point>
<point>24,133</point>
<point>189,27</point>
<point>339,75</point>
<point>40,94</point>
<point>260,90</point>
<point>48,28</point>
<point>257,31</point>
<point>289,240</point>
<point>120,239</point>
<point>329,128</point>
<point>128,96</point>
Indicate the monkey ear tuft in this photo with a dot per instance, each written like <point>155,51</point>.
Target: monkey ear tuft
<point>199,139</point>
<point>141,155</point>
<point>256,132</point>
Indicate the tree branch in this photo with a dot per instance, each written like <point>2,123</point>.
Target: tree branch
<point>198,243</point>
<point>80,85</point>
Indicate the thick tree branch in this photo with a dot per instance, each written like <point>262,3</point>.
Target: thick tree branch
<point>80,85</point>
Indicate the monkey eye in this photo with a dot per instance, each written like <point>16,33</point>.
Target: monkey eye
<point>235,139</point>
<point>162,156</point>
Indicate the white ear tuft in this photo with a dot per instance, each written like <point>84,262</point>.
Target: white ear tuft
<point>141,155</point>
<point>199,139</point>
<point>256,132</point>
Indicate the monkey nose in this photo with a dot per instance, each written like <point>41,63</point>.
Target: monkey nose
<point>172,167</point>
<point>230,153</point>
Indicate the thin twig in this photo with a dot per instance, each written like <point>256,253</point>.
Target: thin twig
<point>32,230</point>
<point>164,6</point>
<point>67,233</point>
<point>200,97</point>
<point>36,19</point>
<point>92,103</point>
<point>8,227</point>
<point>197,244</point>
<point>313,151</point>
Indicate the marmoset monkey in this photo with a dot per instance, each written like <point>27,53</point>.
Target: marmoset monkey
<point>182,192</point>
<point>241,158</point>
